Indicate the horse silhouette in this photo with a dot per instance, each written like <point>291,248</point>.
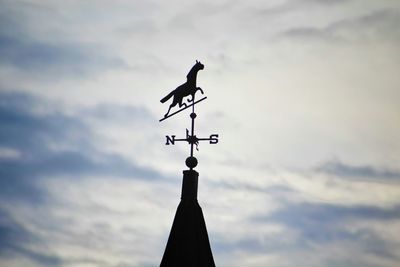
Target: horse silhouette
<point>188,88</point>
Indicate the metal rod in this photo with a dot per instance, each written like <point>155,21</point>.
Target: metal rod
<point>193,116</point>
<point>188,106</point>
<point>201,139</point>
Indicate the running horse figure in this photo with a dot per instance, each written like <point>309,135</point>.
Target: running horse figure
<point>188,88</point>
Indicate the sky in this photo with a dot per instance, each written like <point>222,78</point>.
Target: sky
<point>304,95</point>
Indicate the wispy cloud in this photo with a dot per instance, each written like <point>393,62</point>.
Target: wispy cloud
<point>16,240</point>
<point>319,224</point>
<point>48,57</point>
<point>55,59</point>
<point>51,145</point>
<point>340,169</point>
<point>378,25</point>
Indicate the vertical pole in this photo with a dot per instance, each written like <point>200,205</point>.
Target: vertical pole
<point>193,115</point>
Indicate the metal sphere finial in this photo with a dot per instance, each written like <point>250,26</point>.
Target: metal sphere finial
<point>191,162</point>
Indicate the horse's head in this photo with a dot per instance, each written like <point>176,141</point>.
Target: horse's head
<point>198,65</point>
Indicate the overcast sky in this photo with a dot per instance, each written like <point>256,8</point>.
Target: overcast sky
<point>304,95</point>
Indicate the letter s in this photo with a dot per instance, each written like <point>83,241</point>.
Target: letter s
<point>214,139</point>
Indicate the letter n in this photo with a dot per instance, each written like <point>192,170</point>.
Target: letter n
<point>170,140</point>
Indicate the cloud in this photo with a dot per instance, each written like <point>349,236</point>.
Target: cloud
<point>377,25</point>
<point>15,241</point>
<point>119,114</point>
<point>328,232</point>
<point>305,33</point>
<point>323,225</point>
<point>310,215</point>
<point>25,49</point>
<point>328,2</point>
<point>52,145</point>
<point>284,7</point>
<point>56,59</point>
<point>340,169</point>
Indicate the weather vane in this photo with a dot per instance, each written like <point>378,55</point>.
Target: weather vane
<point>188,89</point>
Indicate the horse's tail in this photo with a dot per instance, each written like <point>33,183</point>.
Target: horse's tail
<point>165,99</point>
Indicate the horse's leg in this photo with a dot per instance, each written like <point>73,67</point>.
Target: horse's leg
<point>181,104</point>
<point>197,89</point>
<point>166,114</point>
<point>173,104</point>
